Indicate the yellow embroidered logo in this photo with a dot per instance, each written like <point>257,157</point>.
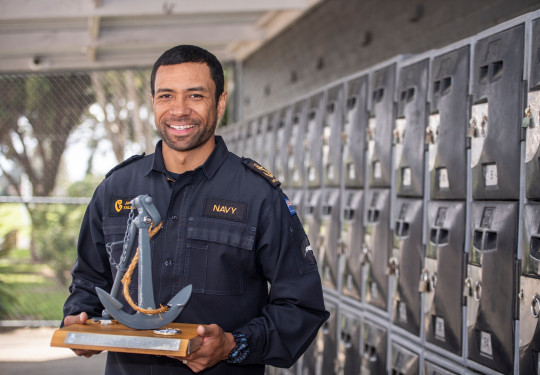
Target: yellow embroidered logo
<point>224,209</point>
<point>118,205</point>
<point>264,171</point>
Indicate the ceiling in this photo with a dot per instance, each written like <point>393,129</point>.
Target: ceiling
<point>53,35</point>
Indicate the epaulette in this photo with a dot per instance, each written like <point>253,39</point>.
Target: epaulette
<point>124,163</point>
<point>259,169</point>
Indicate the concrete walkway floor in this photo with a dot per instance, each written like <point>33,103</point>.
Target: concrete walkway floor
<point>26,351</point>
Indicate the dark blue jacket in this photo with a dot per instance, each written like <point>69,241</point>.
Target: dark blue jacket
<point>252,270</point>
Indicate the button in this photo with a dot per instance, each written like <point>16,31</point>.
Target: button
<point>173,217</point>
<point>168,263</point>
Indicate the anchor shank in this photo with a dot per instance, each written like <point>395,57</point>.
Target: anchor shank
<point>146,288</point>
<point>123,266</point>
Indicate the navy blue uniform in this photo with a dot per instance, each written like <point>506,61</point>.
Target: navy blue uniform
<point>229,231</point>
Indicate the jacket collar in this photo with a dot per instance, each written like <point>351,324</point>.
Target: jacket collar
<point>209,167</point>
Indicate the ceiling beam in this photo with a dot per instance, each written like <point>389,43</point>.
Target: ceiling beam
<point>38,9</point>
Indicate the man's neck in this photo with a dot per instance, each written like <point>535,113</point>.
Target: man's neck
<point>183,161</point>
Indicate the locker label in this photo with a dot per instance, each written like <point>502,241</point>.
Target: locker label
<point>439,328</point>
<point>443,181</point>
<point>485,344</point>
<point>377,171</point>
<point>490,175</point>
<point>432,134</point>
<point>374,290</point>
<point>533,127</point>
<point>478,128</point>
<point>402,308</point>
<point>406,176</point>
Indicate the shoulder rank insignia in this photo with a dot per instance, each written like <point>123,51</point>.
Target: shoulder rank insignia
<point>253,165</point>
<point>124,163</point>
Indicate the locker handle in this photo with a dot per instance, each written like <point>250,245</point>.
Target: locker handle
<point>326,210</point>
<point>535,306</point>
<point>402,229</point>
<point>373,215</point>
<point>534,247</point>
<point>348,213</point>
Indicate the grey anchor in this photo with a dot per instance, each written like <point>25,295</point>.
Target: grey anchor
<point>155,318</point>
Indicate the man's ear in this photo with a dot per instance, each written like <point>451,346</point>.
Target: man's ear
<point>222,104</point>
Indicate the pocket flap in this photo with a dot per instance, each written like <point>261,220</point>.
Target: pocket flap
<point>221,231</point>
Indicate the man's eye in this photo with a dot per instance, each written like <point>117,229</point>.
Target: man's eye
<point>164,96</point>
<point>196,96</point>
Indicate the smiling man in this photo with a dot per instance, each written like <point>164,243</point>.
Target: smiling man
<point>227,229</point>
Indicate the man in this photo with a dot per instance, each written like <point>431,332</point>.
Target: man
<point>227,229</point>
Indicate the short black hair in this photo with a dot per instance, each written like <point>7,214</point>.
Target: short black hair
<point>188,53</point>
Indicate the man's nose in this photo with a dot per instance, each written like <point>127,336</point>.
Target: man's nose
<point>180,107</point>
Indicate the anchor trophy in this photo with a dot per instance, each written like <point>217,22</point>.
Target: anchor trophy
<point>147,316</point>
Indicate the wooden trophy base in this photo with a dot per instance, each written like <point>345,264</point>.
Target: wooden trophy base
<point>119,338</point>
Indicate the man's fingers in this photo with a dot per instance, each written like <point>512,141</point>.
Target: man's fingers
<point>209,330</point>
<point>76,319</point>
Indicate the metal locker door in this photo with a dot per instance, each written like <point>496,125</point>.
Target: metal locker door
<point>312,220</point>
<point>495,129</point>
<point>406,263</point>
<point>410,129</point>
<point>332,152</point>
<point>329,236</point>
<point>442,277</point>
<point>491,284</point>
<point>282,126</point>
<point>380,125</point>
<point>327,340</point>
<point>282,120</point>
<point>529,295</point>
<point>374,340</point>
<point>267,144</point>
<point>432,369</point>
<point>356,119</point>
<point>352,238</point>
<point>295,146</point>
<point>349,360</point>
<point>404,361</point>
<point>377,247</point>
<point>531,121</point>
<point>313,141</point>
<point>446,133</point>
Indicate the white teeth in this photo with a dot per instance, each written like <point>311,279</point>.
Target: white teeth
<point>182,127</point>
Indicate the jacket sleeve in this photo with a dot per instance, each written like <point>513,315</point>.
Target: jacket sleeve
<point>295,309</point>
<point>92,267</point>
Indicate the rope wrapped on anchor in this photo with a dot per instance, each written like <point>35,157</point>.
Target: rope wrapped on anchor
<point>126,280</point>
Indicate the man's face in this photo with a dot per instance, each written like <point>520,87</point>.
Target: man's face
<point>185,108</point>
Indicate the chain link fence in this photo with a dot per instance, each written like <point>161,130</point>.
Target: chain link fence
<point>59,135</point>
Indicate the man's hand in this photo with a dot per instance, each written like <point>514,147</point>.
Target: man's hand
<point>216,347</point>
<point>80,319</point>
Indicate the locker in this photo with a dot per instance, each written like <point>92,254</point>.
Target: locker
<point>267,144</point>
<point>494,127</point>
<point>410,128</point>
<point>352,237</point>
<point>531,120</point>
<point>295,145</point>
<point>377,247</point>
<point>380,126</point>
<point>404,361</point>
<point>490,286</point>
<point>356,119</point>
<point>314,141</point>
<point>441,280</point>
<point>374,342</point>
<point>329,237</point>
<point>446,133</point>
<point>349,360</point>
<point>282,126</point>
<point>332,152</point>
<point>529,295</point>
<point>433,369</point>
<point>406,263</point>
<point>312,220</point>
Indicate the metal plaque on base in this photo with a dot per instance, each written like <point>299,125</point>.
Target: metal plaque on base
<point>174,339</point>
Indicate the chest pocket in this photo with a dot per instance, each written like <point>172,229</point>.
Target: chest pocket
<point>218,254</point>
<point>114,230</point>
